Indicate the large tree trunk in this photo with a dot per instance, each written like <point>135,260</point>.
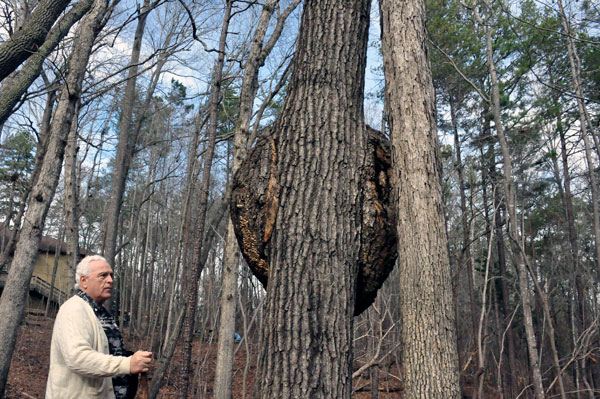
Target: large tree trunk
<point>426,308</point>
<point>16,85</point>
<point>25,42</point>
<point>14,297</point>
<point>314,208</point>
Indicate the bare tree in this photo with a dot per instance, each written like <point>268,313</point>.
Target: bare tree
<point>13,300</point>
<point>127,140</point>
<point>258,53</point>
<point>191,299</point>
<point>510,200</point>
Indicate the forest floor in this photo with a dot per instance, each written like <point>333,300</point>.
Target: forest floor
<point>29,367</point>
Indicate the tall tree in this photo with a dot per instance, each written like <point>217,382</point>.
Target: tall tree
<point>12,303</point>
<point>193,274</point>
<point>256,58</point>
<point>127,141</point>
<point>71,201</point>
<point>426,308</point>
<point>318,155</point>
<point>511,201</point>
<point>587,130</point>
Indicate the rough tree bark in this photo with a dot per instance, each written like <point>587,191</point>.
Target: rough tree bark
<point>13,88</point>
<point>26,40</point>
<point>428,336</point>
<point>314,208</point>
<point>253,193</point>
<point>15,293</point>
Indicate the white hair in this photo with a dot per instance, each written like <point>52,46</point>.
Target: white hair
<point>83,267</point>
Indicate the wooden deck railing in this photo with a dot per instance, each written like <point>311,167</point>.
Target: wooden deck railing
<point>42,287</point>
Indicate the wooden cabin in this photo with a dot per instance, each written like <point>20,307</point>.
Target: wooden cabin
<point>51,260</point>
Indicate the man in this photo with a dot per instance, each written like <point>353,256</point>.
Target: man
<point>87,347</point>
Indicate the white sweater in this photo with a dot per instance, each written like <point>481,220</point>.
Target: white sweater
<point>80,364</point>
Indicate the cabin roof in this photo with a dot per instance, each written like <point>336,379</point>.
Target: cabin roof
<point>47,244</point>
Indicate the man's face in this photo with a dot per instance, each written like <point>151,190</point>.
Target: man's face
<point>98,285</point>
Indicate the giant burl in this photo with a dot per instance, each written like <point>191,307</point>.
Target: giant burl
<point>254,203</point>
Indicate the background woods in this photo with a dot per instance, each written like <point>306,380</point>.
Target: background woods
<point>125,129</point>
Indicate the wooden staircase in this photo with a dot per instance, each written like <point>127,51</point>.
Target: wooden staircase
<point>42,287</point>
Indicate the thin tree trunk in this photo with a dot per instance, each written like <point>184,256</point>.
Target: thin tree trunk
<point>256,58</point>
<point>378,324</point>
<point>183,241</point>
<point>142,316</point>
<point>126,142</point>
<point>428,335</point>
<point>465,257</point>
<point>197,265</point>
<point>552,338</point>
<point>573,255</point>
<point>54,268</point>
<point>229,293</point>
<point>510,193</point>
<point>482,328</point>
<point>135,257</point>
<point>72,198</point>
<point>502,292</point>
<point>15,293</point>
<point>581,108</point>
<point>165,360</point>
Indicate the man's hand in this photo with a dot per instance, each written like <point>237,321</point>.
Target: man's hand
<point>140,362</point>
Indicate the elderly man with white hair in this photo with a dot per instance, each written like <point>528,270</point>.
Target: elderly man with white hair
<point>87,355</point>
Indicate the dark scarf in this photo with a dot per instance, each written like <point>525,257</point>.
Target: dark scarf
<point>116,347</point>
